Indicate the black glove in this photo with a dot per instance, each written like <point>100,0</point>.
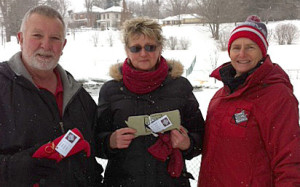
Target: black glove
<point>24,169</point>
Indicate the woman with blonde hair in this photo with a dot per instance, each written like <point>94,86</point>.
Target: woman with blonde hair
<point>146,87</point>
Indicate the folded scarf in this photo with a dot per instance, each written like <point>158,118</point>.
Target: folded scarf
<point>162,149</point>
<point>48,150</point>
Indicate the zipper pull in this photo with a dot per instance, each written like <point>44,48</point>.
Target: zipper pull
<point>61,124</point>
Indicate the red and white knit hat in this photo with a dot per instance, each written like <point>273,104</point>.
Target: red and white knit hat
<point>253,29</point>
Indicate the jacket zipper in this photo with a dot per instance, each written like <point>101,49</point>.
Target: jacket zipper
<point>61,124</point>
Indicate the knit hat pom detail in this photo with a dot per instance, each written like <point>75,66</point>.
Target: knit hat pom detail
<point>253,18</point>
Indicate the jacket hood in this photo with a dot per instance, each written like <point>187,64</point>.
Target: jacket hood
<point>175,70</point>
<point>267,73</point>
<point>15,68</point>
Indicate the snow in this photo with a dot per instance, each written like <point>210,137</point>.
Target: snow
<point>182,16</point>
<point>114,9</point>
<point>96,9</point>
<point>79,6</point>
<point>87,62</point>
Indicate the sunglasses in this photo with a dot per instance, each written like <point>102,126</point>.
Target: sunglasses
<point>138,48</point>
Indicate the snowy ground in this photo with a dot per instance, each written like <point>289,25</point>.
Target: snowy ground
<point>91,63</point>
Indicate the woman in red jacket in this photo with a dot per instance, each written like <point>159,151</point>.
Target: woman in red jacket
<point>252,126</point>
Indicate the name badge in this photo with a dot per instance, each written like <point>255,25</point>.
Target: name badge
<point>160,124</point>
<point>67,143</point>
<point>240,117</point>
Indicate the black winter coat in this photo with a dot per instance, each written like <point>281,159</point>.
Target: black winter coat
<point>29,118</point>
<point>134,166</point>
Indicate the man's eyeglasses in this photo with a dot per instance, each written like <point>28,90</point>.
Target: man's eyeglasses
<point>138,48</point>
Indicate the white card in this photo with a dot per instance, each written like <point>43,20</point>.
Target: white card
<point>160,124</point>
<point>67,143</point>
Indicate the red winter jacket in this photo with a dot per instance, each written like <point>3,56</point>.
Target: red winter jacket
<point>252,135</point>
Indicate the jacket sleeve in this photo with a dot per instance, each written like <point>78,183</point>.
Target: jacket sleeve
<point>21,168</point>
<point>193,121</point>
<point>103,129</point>
<point>280,131</point>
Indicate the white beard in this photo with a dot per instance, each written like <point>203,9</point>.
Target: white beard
<point>37,61</point>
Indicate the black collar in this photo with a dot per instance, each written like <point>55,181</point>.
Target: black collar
<point>228,73</point>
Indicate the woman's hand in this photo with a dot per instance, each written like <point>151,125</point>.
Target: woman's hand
<point>121,138</point>
<point>180,139</point>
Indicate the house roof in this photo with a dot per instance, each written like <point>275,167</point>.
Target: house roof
<point>101,10</point>
<point>182,16</point>
<point>113,9</point>
<point>97,9</point>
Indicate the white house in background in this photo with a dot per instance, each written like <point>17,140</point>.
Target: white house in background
<point>110,18</point>
<point>183,19</point>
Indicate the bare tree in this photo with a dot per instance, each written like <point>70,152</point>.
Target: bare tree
<point>135,8</point>
<point>148,8</point>
<point>292,33</point>
<point>177,7</point>
<point>100,3</point>
<point>95,38</point>
<point>110,3</point>
<point>285,33</point>
<point>60,5</point>
<point>4,5</point>
<point>272,9</point>
<point>184,43</point>
<point>152,8</point>
<point>210,10</point>
<point>223,40</point>
<point>280,34</point>
<point>64,5</point>
<point>110,39</point>
<point>214,57</point>
<point>13,12</point>
<point>125,14</point>
<point>88,5</point>
<point>216,12</point>
<point>172,42</point>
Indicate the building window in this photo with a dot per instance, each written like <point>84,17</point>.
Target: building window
<point>107,16</point>
<point>103,16</point>
<point>117,15</point>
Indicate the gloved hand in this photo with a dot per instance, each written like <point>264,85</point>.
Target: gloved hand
<point>22,168</point>
<point>48,150</point>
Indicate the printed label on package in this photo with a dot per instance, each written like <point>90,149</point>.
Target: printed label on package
<point>67,143</point>
<point>160,124</point>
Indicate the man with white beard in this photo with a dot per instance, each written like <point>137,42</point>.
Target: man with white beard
<point>39,103</point>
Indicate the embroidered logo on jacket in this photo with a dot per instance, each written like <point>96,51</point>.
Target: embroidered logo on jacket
<point>240,117</point>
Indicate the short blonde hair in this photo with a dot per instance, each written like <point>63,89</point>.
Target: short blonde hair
<point>142,26</point>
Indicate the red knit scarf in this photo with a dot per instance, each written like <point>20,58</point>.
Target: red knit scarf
<point>142,82</point>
